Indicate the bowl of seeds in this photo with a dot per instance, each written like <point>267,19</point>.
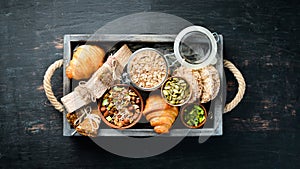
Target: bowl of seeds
<point>147,69</point>
<point>176,91</point>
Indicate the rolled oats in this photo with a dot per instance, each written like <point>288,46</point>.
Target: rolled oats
<point>148,69</point>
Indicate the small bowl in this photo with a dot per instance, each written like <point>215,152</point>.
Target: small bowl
<point>147,69</point>
<point>187,109</point>
<point>168,92</point>
<point>109,109</point>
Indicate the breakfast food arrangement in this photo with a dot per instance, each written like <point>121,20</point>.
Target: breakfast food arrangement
<point>156,88</point>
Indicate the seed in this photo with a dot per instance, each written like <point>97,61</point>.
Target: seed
<point>175,90</point>
<point>165,92</point>
<point>167,87</point>
<point>181,82</point>
<point>169,98</point>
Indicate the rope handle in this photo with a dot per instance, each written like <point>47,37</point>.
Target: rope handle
<point>241,89</point>
<point>228,107</point>
<point>47,85</point>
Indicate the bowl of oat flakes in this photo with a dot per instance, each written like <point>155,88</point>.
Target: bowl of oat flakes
<point>147,69</point>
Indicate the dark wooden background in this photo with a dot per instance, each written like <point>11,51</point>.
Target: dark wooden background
<point>261,38</point>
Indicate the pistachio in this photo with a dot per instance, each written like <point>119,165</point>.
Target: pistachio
<point>181,82</point>
<point>176,91</point>
<point>168,87</point>
<point>165,92</point>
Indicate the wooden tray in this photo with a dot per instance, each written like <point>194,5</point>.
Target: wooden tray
<point>164,43</point>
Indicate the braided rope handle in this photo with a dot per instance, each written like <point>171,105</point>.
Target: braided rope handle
<point>48,87</point>
<point>241,89</point>
<point>228,107</point>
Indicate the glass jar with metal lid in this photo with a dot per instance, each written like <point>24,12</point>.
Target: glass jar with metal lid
<point>195,47</point>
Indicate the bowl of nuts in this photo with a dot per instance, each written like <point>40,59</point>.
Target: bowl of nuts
<point>147,69</point>
<point>193,115</point>
<point>176,91</point>
<point>121,106</point>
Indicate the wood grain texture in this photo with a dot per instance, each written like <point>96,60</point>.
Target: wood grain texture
<point>261,38</point>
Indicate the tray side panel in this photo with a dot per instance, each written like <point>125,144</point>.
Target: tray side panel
<point>66,82</point>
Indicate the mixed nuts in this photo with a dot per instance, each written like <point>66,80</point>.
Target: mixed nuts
<point>121,106</point>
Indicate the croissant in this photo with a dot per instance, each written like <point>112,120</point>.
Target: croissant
<point>160,115</point>
<point>86,60</point>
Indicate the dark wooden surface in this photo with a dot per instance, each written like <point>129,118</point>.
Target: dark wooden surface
<point>261,38</point>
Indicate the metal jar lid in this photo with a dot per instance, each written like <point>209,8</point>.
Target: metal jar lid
<point>195,47</point>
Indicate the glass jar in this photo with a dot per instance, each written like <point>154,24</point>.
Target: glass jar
<point>195,47</point>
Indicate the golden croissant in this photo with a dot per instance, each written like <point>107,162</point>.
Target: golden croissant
<point>86,60</point>
<point>160,115</point>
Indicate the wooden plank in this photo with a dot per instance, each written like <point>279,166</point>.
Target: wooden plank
<point>66,82</point>
<point>123,37</point>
